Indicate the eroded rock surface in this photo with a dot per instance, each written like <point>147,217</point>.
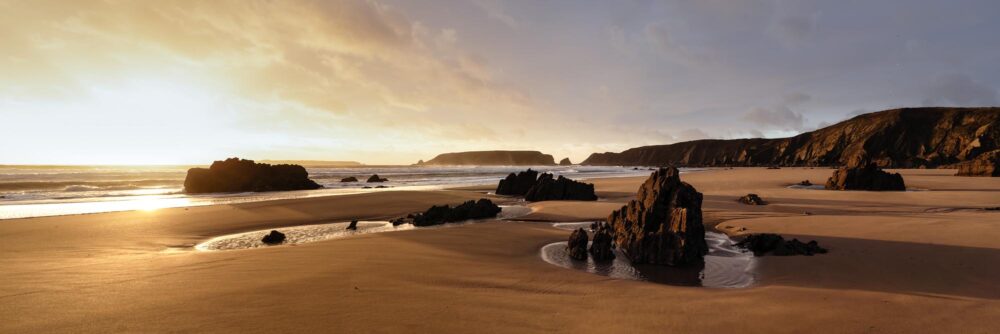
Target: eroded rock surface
<point>868,177</point>
<point>240,175</point>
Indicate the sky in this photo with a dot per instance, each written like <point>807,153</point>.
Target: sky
<point>395,81</point>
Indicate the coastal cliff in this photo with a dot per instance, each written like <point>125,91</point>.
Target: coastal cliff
<point>897,138</point>
<point>503,158</point>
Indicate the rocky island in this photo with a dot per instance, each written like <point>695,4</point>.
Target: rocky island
<point>492,158</point>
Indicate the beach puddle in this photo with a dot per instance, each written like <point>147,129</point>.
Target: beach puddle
<point>810,187</point>
<point>725,266</point>
<point>298,235</point>
<point>511,212</point>
<point>572,226</point>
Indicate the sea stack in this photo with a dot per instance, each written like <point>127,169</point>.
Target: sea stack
<point>868,177</point>
<point>663,225</point>
<point>375,179</point>
<point>240,175</point>
<point>565,162</point>
<point>560,189</point>
<point>517,184</point>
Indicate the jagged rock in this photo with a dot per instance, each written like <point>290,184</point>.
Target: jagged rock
<point>349,179</point>
<point>353,226</point>
<point>987,164</point>
<point>561,189</point>
<point>273,238</point>
<point>752,199</point>
<point>483,208</point>
<point>900,138</point>
<point>239,175</point>
<point>517,184</point>
<point>805,183</point>
<point>577,245</point>
<point>765,243</point>
<point>663,225</point>
<point>565,162</point>
<point>602,249</point>
<point>375,178</point>
<point>869,177</point>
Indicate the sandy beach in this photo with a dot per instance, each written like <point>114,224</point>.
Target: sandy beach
<point>899,262</point>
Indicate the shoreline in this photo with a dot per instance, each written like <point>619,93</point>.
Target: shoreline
<point>136,271</point>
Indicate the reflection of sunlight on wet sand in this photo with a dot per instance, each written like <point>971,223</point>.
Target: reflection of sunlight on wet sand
<point>153,204</point>
<point>142,203</point>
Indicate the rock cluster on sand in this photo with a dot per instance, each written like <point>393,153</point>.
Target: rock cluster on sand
<point>436,215</point>
<point>768,243</point>
<point>517,184</point>
<point>602,249</point>
<point>545,188</point>
<point>375,178</point>
<point>805,183</point>
<point>565,162</point>
<point>349,179</point>
<point>752,199</point>
<point>273,238</point>
<point>986,164</point>
<point>867,177</point>
<point>663,225</point>
<point>577,245</point>
<point>560,189</point>
<point>239,175</point>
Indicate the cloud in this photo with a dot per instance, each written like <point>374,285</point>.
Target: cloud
<point>959,90</point>
<point>780,117</point>
<point>495,10</point>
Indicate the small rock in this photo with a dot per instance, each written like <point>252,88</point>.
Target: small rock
<point>805,183</point>
<point>353,226</point>
<point>375,178</point>
<point>349,179</point>
<point>752,199</point>
<point>273,238</point>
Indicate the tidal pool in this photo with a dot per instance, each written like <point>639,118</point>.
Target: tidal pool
<point>725,266</point>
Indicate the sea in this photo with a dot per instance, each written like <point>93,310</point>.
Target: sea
<point>38,191</point>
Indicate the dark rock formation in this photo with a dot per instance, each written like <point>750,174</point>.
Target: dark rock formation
<point>602,249</point>
<point>436,215</point>
<point>353,226</point>
<point>375,178</point>
<point>349,179</point>
<point>899,138</point>
<point>496,158</point>
<point>238,175</point>
<point>577,245</point>
<point>869,177</point>
<point>767,243</point>
<point>805,183</point>
<point>565,162</point>
<point>987,164</point>
<point>561,189</point>
<point>273,238</point>
<point>517,184</point>
<point>663,225</point>
<point>752,199</point>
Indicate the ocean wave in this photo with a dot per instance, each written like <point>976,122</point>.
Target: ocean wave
<point>82,187</point>
<point>79,185</point>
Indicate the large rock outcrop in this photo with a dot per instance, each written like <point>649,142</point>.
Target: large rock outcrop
<point>560,189</point>
<point>663,225</point>
<point>493,158</point>
<point>436,215</point>
<point>565,162</point>
<point>517,184</point>
<point>867,177</point>
<point>577,244</point>
<point>987,164</point>
<point>602,249</point>
<point>239,175</point>
<point>899,138</point>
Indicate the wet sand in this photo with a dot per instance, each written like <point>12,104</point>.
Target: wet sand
<point>918,261</point>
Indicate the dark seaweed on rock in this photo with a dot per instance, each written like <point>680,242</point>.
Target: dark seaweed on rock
<point>768,243</point>
<point>239,175</point>
<point>436,215</point>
